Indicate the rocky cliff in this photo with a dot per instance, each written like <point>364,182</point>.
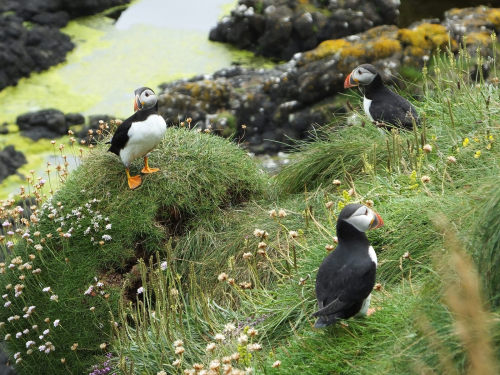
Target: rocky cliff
<point>286,101</point>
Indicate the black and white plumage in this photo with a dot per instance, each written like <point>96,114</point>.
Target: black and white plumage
<point>346,276</point>
<point>379,103</point>
<point>139,134</point>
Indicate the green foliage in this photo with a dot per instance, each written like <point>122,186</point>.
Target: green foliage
<point>94,230</point>
<point>487,248</point>
<point>227,265</point>
<point>447,165</point>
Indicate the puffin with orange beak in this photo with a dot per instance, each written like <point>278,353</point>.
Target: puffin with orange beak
<point>346,276</point>
<point>379,103</point>
<point>139,134</point>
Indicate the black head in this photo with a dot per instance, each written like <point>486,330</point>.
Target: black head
<point>355,219</point>
<point>145,98</point>
<point>363,75</point>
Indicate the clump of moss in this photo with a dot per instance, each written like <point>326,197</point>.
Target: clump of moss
<point>494,17</point>
<point>94,231</point>
<point>214,93</point>
<point>327,48</point>
<point>355,50</point>
<point>428,36</point>
<point>478,38</point>
<point>376,43</point>
<point>385,47</point>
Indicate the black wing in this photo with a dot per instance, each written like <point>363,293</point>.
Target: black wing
<point>339,288</point>
<point>394,109</point>
<point>120,137</point>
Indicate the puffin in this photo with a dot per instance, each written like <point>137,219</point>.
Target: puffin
<point>380,104</point>
<point>139,134</point>
<point>346,276</point>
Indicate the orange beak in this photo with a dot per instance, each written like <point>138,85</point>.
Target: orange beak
<point>349,82</point>
<point>378,222</point>
<point>136,107</point>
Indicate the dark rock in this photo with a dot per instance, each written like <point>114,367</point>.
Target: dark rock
<point>4,129</point>
<point>89,132</point>
<point>47,123</point>
<point>75,8</point>
<point>23,51</point>
<point>281,28</point>
<point>287,101</point>
<point>74,119</point>
<point>10,161</point>
<point>30,39</point>
<point>94,120</point>
<point>57,19</point>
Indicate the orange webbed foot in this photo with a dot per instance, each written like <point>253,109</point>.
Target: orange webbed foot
<point>149,170</point>
<point>146,168</point>
<point>133,181</point>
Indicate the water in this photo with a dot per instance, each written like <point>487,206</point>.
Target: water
<point>152,42</point>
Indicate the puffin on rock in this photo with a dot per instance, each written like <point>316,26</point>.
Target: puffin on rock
<point>379,103</point>
<point>139,134</point>
<point>346,276</point>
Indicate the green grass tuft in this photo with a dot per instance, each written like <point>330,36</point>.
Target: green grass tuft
<point>201,175</point>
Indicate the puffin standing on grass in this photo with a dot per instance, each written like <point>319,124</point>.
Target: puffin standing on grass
<point>346,276</point>
<point>139,134</point>
<point>379,103</point>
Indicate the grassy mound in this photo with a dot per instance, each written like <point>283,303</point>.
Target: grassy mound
<point>194,282</point>
<point>86,241</point>
<point>259,314</point>
<point>487,245</point>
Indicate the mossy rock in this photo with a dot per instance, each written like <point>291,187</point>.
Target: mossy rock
<point>428,36</point>
<point>215,93</point>
<point>98,231</point>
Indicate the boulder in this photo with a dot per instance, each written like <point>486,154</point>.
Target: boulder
<point>279,28</point>
<point>288,100</point>
<point>74,119</point>
<point>47,123</point>
<point>89,133</point>
<point>30,39</point>
<point>56,19</point>
<point>10,161</point>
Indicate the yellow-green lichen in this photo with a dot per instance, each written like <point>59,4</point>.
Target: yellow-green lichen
<point>354,50</point>
<point>478,38</point>
<point>428,36</point>
<point>385,47</point>
<point>327,48</point>
<point>494,16</point>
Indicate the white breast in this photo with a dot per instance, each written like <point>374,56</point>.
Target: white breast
<point>372,254</point>
<point>143,136</point>
<point>366,106</point>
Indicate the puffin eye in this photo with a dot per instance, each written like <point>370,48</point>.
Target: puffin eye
<point>147,94</point>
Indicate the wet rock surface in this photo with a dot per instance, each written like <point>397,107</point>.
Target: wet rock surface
<point>10,161</point>
<point>288,100</point>
<point>30,39</point>
<point>53,123</point>
<point>280,28</point>
<point>47,123</point>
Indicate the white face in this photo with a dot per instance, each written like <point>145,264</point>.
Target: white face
<point>362,219</point>
<point>362,76</point>
<point>147,99</point>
